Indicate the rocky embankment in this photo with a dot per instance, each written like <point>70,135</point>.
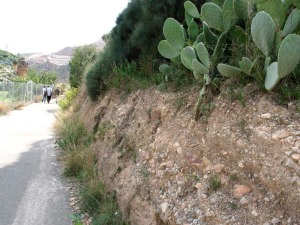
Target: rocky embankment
<point>236,165</point>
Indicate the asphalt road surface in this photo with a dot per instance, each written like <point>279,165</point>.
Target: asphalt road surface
<point>32,189</point>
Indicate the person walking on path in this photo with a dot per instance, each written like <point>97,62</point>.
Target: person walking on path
<point>49,94</point>
<point>44,93</point>
<point>57,92</point>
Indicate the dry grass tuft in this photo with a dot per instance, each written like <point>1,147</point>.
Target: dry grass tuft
<point>38,99</point>
<point>4,109</point>
<point>19,106</point>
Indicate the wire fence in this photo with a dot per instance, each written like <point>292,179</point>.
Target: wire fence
<point>15,92</point>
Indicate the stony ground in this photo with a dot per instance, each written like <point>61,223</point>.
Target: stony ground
<point>236,165</point>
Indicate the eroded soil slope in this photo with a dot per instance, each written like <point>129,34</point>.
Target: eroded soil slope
<point>239,165</point>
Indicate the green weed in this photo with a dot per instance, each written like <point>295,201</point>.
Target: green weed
<point>65,102</point>
<point>214,184</point>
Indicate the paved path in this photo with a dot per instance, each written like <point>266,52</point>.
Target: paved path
<point>32,190</point>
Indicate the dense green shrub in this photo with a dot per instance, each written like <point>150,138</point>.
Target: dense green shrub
<point>94,79</point>
<point>82,57</point>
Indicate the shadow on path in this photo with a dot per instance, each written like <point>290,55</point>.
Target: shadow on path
<point>32,191</point>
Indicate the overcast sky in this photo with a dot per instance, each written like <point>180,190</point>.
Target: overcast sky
<point>29,26</point>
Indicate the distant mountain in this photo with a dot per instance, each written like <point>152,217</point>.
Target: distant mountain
<point>57,62</point>
<point>51,62</point>
<point>68,51</point>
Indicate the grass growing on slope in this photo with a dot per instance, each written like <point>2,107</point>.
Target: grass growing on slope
<point>80,163</point>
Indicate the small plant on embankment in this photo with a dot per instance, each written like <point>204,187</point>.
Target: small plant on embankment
<point>80,164</point>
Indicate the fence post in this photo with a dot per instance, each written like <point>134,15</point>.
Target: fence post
<point>3,91</point>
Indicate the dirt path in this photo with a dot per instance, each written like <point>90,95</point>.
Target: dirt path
<point>31,188</point>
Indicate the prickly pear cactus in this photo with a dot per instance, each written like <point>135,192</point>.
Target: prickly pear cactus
<point>243,8</point>
<point>167,50</point>
<point>198,67</point>
<point>213,16</point>
<point>229,16</point>
<point>164,68</point>
<point>276,9</point>
<point>263,32</point>
<point>193,30</point>
<point>291,23</point>
<point>228,71</point>
<point>272,77</point>
<point>245,65</point>
<point>174,33</point>
<point>191,9</point>
<point>209,35</point>
<point>175,39</point>
<point>187,55</point>
<point>203,55</point>
<point>288,55</point>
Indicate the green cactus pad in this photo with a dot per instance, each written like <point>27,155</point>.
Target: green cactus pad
<point>276,9</point>
<point>243,8</point>
<point>161,87</point>
<point>193,30</point>
<point>219,48</point>
<point>174,33</point>
<point>238,35</point>
<point>213,16</point>
<point>229,16</point>
<point>272,77</point>
<point>207,79</point>
<point>164,68</point>
<point>187,55</point>
<point>188,18</point>
<point>245,65</point>
<point>254,64</point>
<point>191,9</point>
<point>198,76</point>
<point>267,63</point>
<point>200,38</point>
<point>263,32</point>
<point>288,54</point>
<point>198,67</point>
<point>209,35</point>
<point>203,55</point>
<point>167,50</point>
<point>291,23</point>
<point>228,71</point>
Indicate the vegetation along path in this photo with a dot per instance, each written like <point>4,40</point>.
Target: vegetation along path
<point>31,189</point>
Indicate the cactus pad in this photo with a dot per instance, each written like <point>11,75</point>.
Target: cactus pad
<point>263,32</point>
<point>174,33</point>
<point>272,77</point>
<point>291,23</point>
<point>229,16</point>
<point>187,55</point>
<point>167,50</point>
<point>191,9</point>
<point>203,55</point>
<point>288,55</point>
<point>212,15</point>
<point>198,67</point>
<point>245,65</point>
<point>228,71</point>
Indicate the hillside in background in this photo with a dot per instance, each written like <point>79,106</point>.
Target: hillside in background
<point>7,60</point>
<point>57,62</point>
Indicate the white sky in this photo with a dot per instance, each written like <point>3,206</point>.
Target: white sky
<point>29,26</point>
